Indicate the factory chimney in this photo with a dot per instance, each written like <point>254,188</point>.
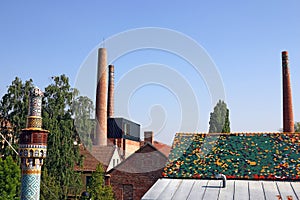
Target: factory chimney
<point>288,119</point>
<point>101,105</point>
<point>111,86</point>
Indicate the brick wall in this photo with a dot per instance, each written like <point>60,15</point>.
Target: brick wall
<point>130,147</point>
<point>139,172</point>
<point>140,182</point>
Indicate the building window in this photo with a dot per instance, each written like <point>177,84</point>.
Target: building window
<point>88,180</point>
<point>126,129</point>
<point>127,192</point>
<point>114,162</point>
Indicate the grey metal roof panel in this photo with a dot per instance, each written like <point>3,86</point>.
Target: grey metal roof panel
<point>212,190</point>
<point>296,188</point>
<point>228,191</point>
<point>184,190</point>
<point>241,191</point>
<point>196,192</point>
<point>270,190</point>
<point>286,191</point>
<point>156,189</point>
<point>256,190</point>
<point>170,190</point>
<point>181,189</point>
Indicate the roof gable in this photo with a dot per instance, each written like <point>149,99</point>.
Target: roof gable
<point>163,148</point>
<point>146,159</point>
<point>239,155</point>
<point>104,154</point>
<point>89,161</point>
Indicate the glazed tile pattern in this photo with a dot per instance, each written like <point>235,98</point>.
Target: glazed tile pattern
<point>238,156</point>
<point>33,122</point>
<point>32,148</point>
<point>30,186</point>
<point>35,102</point>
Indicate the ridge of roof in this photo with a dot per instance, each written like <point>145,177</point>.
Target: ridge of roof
<point>89,163</point>
<point>103,153</point>
<point>134,154</point>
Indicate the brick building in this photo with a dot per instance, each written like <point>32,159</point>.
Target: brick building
<point>134,176</point>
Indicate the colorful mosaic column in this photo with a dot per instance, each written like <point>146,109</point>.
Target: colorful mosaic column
<point>32,148</point>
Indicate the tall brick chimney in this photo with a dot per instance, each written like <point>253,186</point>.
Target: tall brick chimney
<point>101,96</point>
<point>111,86</point>
<point>288,118</point>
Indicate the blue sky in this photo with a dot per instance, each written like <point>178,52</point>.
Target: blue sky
<point>41,39</point>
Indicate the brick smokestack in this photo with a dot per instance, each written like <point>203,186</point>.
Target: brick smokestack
<point>288,119</point>
<point>111,87</point>
<point>101,96</point>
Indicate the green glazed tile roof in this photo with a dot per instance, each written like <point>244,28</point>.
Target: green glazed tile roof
<point>237,155</point>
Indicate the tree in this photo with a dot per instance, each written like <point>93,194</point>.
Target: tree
<point>49,186</point>
<point>82,109</point>
<point>62,153</point>
<point>14,110</point>
<point>226,127</point>
<point>58,118</point>
<point>297,127</point>
<point>96,188</point>
<point>10,176</point>
<point>219,119</point>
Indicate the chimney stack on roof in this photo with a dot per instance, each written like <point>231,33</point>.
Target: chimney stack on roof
<point>148,136</point>
<point>111,86</point>
<point>288,118</point>
<point>101,97</point>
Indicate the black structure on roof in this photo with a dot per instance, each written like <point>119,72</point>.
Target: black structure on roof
<point>123,128</point>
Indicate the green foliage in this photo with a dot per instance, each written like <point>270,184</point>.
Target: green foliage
<point>57,118</point>
<point>10,176</point>
<point>83,109</point>
<point>14,109</point>
<point>97,189</point>
<point>219,119</point>
<point>60,106</point>
<point>49,187</point>
<point>226,127</point>
<point>297,127</point>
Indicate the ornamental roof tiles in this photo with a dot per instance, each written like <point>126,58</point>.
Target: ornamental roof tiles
<point>264,156</point>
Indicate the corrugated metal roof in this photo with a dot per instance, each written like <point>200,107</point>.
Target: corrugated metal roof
<point>188,189</point>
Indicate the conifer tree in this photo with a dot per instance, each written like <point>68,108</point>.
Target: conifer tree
<point>219,119</point>
<point>96,188</point>
<point>226,127</point>
<point>49,186</point>
<point>10,176</point>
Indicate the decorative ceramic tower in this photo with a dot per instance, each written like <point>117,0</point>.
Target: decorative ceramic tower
<point>32,148</point>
